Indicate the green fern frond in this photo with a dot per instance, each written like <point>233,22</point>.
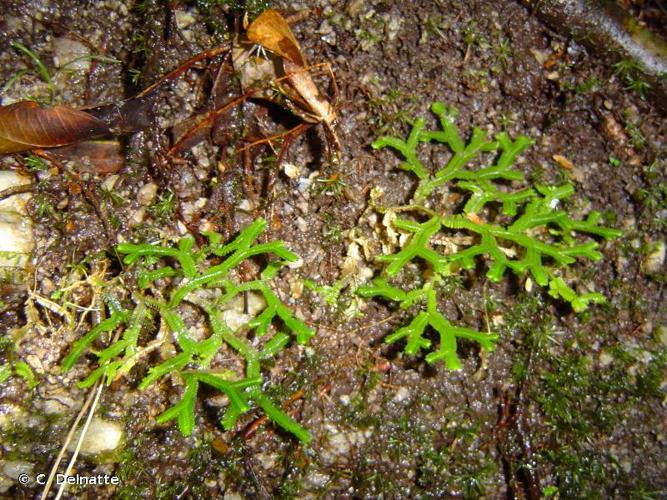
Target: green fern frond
<point>526,232</point>
<point>413,333</point>
<point>191,271</point>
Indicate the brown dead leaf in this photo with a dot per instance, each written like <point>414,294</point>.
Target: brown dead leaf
<point>271,31</point>
<point>286,68</point>
<point>318,106</point>
<point>25,126</point>
<point>99,157</point>
<point>563,162</point>
<point>474,218</point>
<point>615,132</point>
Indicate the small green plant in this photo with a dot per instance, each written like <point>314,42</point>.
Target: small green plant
<point>21,369</point>
<point>212,12</point>
<point>40,68</point>
<point>35,164</point>
<point>521,230</point>
<point>164,207</point>
<point>207,272</point>
<point>631,73</point>
<point>334,185</point>
<point>391,111</point>
<point>42,71</point>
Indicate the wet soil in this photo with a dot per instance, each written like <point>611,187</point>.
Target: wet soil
<point>568,404</point>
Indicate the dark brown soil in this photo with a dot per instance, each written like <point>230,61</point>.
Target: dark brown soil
<point>568,404</point>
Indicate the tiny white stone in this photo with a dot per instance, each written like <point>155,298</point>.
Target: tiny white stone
<point>183,18</point>
<point>309,351</point>
<point>655,260</point>
<point>15,233</point>
<point>605,359</point>
<point>206,226</point>
<point>14,468</point>
<point>498,320</point>
<point>70,53</point>
<point>146,194</point>
<point>16,203</point>
<point>235,317</point>
<point>318,480</point>
<point>11,414</point>
<point>401,395</point>
<point>102,436</point>
<point>181,228</point>
<point>296,289</point>
<point>137,217</point>
<point>233,495</point>
<point>245,205</point>
<point>16,240</point>
<point>110,182</point>
<point>296,264</point>
<point>528,285</point>
<point>291,170</point>
<point>301,224</point>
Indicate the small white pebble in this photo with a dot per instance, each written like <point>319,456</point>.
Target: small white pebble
<point>16,239</point>
<point>291,170</point>
<point>296,289</point>
<point>14,468</point>
<point>110,182</point>
<point>605,359</point>
<point>183,18</point>
<point>70,53</point>
<point>296,264</point>
<point>301,224</point>
<point>102,436</point>
<point>137,217</point>
<point>655,260</point>
<point>16,203</point>
<point>182,229</point>
<point>401,395</point>
<point>146,194</point>
<point>206,226</point>
<point>246,206</point>
<point>497,320</point>
<point>528,285</point>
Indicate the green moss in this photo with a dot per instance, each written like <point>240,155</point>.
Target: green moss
<point>592,83</point>
<point>214,11</point>
<point>653,197</point>
<point>163,208</point>
<point>333,186</point>
<point>581,403</point>
<point>391,111</point>
<point>635,133</point>
<point>632,76</point>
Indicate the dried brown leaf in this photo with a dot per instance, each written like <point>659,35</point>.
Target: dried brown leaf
<point>271,31</point>
<point>100,157</point>
<point>563,162</point>
<point>25,126</point>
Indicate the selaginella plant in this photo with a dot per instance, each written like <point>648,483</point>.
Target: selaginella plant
<point>523,230</point>
<point>206,276</point>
